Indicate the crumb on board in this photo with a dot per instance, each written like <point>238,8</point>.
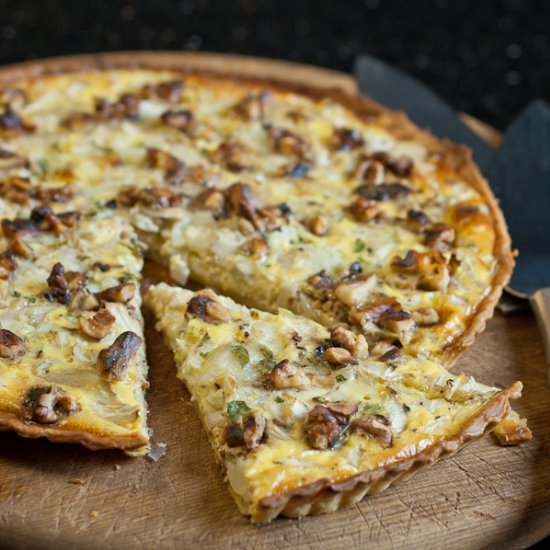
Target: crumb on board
<point>116,467</point>
<point>93,514</point>
<point>157,451</point>
<point>77,481</point>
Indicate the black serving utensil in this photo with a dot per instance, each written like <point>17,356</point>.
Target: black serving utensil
<point>520,177</point>
<point>397,90</point>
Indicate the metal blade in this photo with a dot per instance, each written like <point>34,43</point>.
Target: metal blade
<point>521,180</point>
<point>395,89</point>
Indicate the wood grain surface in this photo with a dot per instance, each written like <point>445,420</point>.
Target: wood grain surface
<point>486,496</point>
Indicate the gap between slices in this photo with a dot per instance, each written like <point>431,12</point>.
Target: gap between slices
<point>298,432</point>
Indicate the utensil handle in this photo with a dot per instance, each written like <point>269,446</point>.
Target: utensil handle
<point>540,302</point>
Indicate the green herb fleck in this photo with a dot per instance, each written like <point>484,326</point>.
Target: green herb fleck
<point>31,298</point>
<point>372,409</point>
<point>43,166</point>
<point>130,277</point>
<point>16,294</point>
<point>358,246</point>
<point>340,378</point>
<point>241,354</point>
<point>279,399</point>
<point>235,409</point>
<point>266,352</point>
<point>204,354</point>
<point>319,399</point>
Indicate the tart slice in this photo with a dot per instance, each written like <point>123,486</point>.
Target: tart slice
<point>301,422</point>
<point>72,357</point>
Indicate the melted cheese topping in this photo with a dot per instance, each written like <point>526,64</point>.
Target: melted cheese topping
<point>225,366</point>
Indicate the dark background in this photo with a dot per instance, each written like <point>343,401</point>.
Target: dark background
<point>486,57</point>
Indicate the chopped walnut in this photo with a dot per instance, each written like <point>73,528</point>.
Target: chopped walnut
<point>427,269</point>
<point>58,285</point>
<point>248,434</point>
<point>318,225</point>
<point>256,247</point>
<point>98,325</point>
<point>288,143</point>
<point>205,306</point>
<point>417,220</point>
<point>149,196</point>
<point>346,139</point>
<point>400,166</point>
<point>356,291</point>
<point>8,264</point>
<point>11,124</point>
<point>425,316</point>
<point>321,280</point>
<point>356,344</point>
<point>169,91</point>
<point>11,345</point>
<point>48,404</point>
<point>59,194</point>
<point>16,189</point>
<point>243,203</point>
<point>113,361</point>
<point>324,424</point>
<point>338,357</point>
<point>125,107</point>
<point>384,191</point>
<point>164,161</point>
<point>254,106</point>
<point>183,120</point>
<point>286,375</point>
<point>209,199</point>
<point>233,156</point>
<point>15,98</point>
<point>18,247</point>
<point>385,351</point>
<point>369,170</point>
<point>377,426</point>
<point>10,160</point>
<point>121,293</point>
<point>18,227</point>
<point>438,234</point>
<point>386,312</point>
<point>364,210</point>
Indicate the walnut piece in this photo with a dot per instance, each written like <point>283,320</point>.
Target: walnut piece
<point>254,106</point>
<point>356,344</point>
<point>324,424</point>
<point>48,404</point>
<point>121,293</point>
<point>426,270</point>
<point>338,357</point>
<point>377,426</point>
<point>113,361</point>
<point>286,375</point>
<point>205,306</point>
<point>11,345</point>
<point>249,433</point>
<point>97,326</point>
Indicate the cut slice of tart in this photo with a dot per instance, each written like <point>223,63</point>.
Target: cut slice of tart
<point>72,357</point>
<point>301,422</point>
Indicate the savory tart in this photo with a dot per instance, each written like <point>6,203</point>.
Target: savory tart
<point>300,418</point>
<point>72,358</point>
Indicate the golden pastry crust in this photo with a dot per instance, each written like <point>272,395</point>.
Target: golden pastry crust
<point>65,434</point>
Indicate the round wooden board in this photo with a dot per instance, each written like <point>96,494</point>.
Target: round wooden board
<point>68,497</point>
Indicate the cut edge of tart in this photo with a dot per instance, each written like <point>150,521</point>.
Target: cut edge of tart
<point>72,351</point>
<point>302,426</point>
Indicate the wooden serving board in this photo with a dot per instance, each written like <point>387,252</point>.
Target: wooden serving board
<point>67,496</point>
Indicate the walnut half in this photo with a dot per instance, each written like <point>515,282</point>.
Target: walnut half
<point>11,346</point>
